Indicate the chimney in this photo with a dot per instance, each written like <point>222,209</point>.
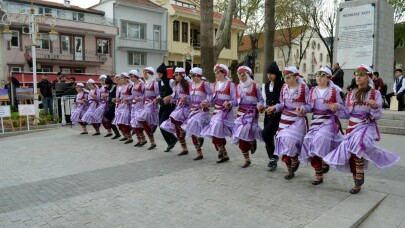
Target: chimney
<point>67,3</point>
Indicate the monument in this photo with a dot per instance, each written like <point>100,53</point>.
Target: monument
<point>365,35</point>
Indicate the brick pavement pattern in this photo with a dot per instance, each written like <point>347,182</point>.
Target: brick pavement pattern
<point>58,178</point>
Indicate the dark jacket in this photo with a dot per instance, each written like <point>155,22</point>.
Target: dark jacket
<point>338,77</point>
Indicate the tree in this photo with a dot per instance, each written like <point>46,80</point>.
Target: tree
<point>207,38</point>
<point>399,9</point>
<point>269,30</point>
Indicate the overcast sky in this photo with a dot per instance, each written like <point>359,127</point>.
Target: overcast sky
<point>81,3</point>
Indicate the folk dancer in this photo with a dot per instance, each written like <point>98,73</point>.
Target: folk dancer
<point>271,96</point>
<point>109,113</point>
<point>93,100</point>
<point>292,128</point>
<point>358,146</point>
<point>149,115</point>
<point>123,109</point>
<point>165,89</point>
<point>136,106</point>
<point>221,124</point>
<point>323,136</point>
<point>200,95</point>
<point>80,107</point>
<point>246,128</point>
<point>180,97</point>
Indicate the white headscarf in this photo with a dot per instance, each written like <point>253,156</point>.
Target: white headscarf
<point>296,73</point>
<point>151,73</point>
<point>249,80</point>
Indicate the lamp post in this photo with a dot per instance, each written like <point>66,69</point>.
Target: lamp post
<point>35,38</point>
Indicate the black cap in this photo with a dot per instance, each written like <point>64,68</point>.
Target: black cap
<point>161,69</point>
<point>273,69</point>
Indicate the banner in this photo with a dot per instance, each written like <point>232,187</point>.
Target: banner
<point>5,111</point>
<point>26,110</point>
<point>25,93</point>
<point>4,95</point>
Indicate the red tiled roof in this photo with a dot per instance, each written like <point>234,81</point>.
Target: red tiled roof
<point>61,6</point>
<point>281,38</point>
<point>197,12</point>
<point>145,3</point>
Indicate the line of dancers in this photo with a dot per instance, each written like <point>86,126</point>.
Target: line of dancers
<point>137,104</point>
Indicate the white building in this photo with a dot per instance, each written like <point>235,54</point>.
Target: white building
<point>142,39</point>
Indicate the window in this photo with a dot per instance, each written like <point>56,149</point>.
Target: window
<point>304,68</point>
<point>65,43</point>
<point>15,69</point>
<point>136,59</point>
<point>180,64</point>
<point>305,55</point>
<point>312,68</point>
<point>184,32</point>
<point>228,43</point>
<point>133,30</point>
<point>176,30</point>
<point>103,46</point>
<point>65,70</point>
<point>171,63</point>
<point>78,71</point>
<point>44,69</point>
<point>183,4</point>
<point>78,16</point>
<point>43,10</point>
<point>15,39</point>
<point>280,53</point>
<point>319,47</point>
<point>313,44</point>
<point>321,57</point>
<point>44,44</point>
<point>327,58</point>
<point>61,14</point>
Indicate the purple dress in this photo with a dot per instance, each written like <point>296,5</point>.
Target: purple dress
<point>137,92</point>
<point>150,110</point>
<point>102,107</point>
<point>180,114</point>
<point>246,125</point>
<point>198,117</point>
<point>361,134</point>
<point>292,128</point>
<point>123,111</point>
<point>323,135</point>
<point>93,102</point>
<point>81,107</point>
<point>221,123</point>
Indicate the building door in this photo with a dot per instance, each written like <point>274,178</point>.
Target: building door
<point>79,48</point>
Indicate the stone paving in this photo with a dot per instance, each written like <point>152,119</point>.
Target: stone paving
<point>58,178</point>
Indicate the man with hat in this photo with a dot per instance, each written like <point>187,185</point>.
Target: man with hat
<point>165,89</point>
<point>399,89</point>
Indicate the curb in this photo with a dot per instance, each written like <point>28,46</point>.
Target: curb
<point>350,212</point>
<point>32,130</point>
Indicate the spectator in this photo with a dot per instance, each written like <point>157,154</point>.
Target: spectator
<point>12,90</point>
<point>45,93</point>
<point>58,79</point>
<point>72,82</point>
<point>338,75</point>
<point>352,85</point>
<point>399,89</point>
<point>378,82</point>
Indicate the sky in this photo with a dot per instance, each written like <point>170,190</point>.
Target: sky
<point>81,3</point>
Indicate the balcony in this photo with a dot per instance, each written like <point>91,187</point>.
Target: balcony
<point>142,44</point>
<point>77,58</point>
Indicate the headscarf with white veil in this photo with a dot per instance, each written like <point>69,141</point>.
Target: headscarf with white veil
<point>294,71</point>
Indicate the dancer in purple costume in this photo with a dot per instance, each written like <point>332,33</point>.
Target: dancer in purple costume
<point>93,100</point>
<point>246,128</point>
<point>200,94</point>
<point>123,110</point>
<point>81,107</point>
<point>358,146</point>
<point>136,106</point>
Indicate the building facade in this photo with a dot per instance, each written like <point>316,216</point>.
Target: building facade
<point>142,39</point>
<point>184,35</point>
<point>85,41</point>
<point>308,61</point>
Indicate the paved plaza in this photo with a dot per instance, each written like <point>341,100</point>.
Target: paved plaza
<point>58,178</point>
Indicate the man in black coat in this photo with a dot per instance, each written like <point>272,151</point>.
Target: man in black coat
<point>165,89</point>
<point>337,75</point>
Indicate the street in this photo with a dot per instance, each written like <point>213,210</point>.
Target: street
<point>58,178</point>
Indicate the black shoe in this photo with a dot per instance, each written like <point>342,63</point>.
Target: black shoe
<point>316,182</point>
<point>123,139</point>
<point>129,141</point>
<point>289,176</point>
<point>199,157</point>
<point>97,133</point>
<point>142,144</point>
<point>84,133</point>
<point>355,190</point>
<point>272,164</point>
<point>294,169</point>
<point>222,160</point>
<point>170,146</point>
<point>247,164</point>
<point>137,144</point>
<point>116,137</point>
<point>152,147</point>
<point>183,153</point>
<point>108,135</point>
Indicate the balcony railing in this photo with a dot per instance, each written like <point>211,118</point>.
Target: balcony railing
<point>142,44</point>
<point>56,55</point>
